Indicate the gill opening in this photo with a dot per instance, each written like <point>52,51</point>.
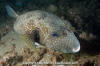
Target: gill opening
<point>35,36</point>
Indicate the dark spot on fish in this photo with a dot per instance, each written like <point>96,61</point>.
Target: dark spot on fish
<point>44,15</point>
<point>39,18</point>
<point>64,33</point>
<point>63,30</point>
<point>29,15</point>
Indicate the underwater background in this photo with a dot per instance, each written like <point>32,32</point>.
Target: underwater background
<point>84,16</point>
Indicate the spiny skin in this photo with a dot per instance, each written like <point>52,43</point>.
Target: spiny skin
<point>53,31</point>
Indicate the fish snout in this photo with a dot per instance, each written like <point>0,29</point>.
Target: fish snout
<point>77,49</point>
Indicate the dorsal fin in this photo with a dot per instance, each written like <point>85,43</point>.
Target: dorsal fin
<point>11,12</point>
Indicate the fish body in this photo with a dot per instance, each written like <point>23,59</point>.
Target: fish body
<point>53,32</point>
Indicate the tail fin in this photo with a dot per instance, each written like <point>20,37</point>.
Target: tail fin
<point>11,12</point>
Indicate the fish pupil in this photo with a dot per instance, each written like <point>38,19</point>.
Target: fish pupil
<point>54,34</point>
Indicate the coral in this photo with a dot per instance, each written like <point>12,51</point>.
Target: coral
<point>87,36</point>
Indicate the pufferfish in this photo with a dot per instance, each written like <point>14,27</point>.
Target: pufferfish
<point>50,30</point>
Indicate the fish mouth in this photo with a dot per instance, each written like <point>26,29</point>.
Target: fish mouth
<point>77,49</point>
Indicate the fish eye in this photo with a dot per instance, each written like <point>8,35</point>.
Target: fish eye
<point>54,34</point>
